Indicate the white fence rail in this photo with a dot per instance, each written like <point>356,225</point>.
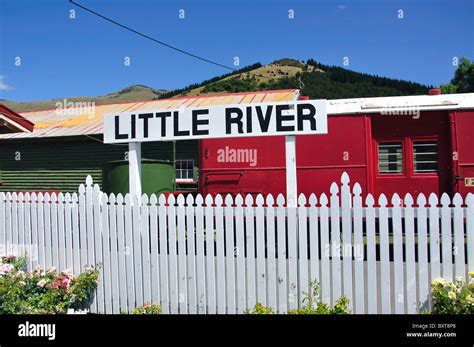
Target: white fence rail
<point>206,255</point>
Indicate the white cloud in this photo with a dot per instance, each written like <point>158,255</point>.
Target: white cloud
<point>341,7</point>
<point>3,85</point>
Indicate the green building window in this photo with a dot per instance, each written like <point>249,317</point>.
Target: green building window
<point>184,169</point>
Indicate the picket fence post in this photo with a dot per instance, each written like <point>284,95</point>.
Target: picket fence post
<point>240,253</point>
<point>211,256</point>
<point>314,239</point>
<point>154,249</point>
<point>410,265</point>
<point>250,243</point>
<point>325,284</point>
<point>359,292</point>
<point>282,255</point>
<point>385,289</point>
<point>423,271</point>
<point>229,254</point>
<point>199,268</point>
<point>399,288</point>
<point>347,247</point>
<point>181,249</point>
<point>271,254</point>
<point>335,248</point>
<point>260,241</point>
<point>458,224</point>
<point>372,278</point>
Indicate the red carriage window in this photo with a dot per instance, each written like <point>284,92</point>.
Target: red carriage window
<point>425,156</point>
<point>390,155</point>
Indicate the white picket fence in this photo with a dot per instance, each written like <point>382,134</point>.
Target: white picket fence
<point>206,255</point>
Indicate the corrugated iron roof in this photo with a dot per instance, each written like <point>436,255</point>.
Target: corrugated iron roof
<point>82,120</point>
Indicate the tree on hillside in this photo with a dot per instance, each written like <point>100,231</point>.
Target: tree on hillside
<point>463,80</point>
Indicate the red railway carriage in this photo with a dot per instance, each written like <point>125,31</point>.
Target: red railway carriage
<point>415,144</point>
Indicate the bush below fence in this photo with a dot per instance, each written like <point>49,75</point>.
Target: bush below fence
<point>223,254</point>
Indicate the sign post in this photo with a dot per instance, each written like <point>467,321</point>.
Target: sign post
<point>302,117</point>
<point>135,168</point>
<point>291,185</point>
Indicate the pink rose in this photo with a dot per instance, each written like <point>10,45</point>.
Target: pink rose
<point>68,273</point>
<point>6,268</point>
<point>42,283</point>
<point>62,282</point>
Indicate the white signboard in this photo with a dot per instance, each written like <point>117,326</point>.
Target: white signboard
<point>302,117</point>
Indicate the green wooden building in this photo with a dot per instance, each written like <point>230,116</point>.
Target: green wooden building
<point>62,163</point>
<point>66,143</point>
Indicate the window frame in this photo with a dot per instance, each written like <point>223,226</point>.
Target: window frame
<point>377,161</point>
<point>183,180</point>
<point>408,158</point>
<point>413,140</point>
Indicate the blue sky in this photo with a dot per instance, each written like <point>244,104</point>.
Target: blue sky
<point>63,57</point>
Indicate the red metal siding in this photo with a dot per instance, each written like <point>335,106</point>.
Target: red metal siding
<point>463,150</point>
<point>321,159</point>
<point>433,126</point>
<point>351,146</point>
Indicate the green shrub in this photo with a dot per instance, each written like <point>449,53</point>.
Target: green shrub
<point>453,297</point>
<point>43,291</point>
<point>312,304</point>
<point>18,263</point>
<point>147,309</point>
<point>259,309</point>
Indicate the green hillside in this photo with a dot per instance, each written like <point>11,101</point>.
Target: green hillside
<point>316,80</point>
